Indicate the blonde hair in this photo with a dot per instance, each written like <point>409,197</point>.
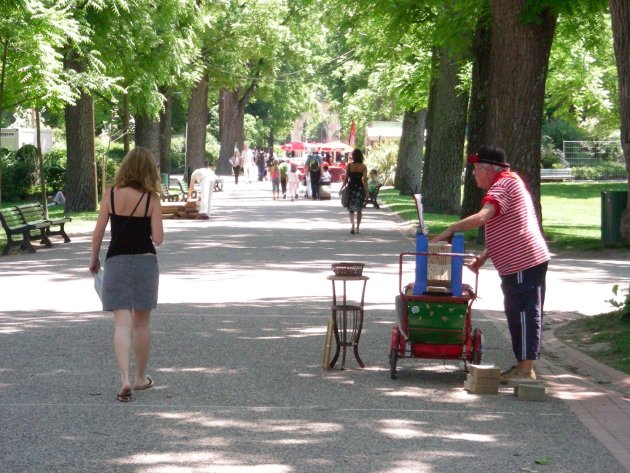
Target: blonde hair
<point>138,171</point>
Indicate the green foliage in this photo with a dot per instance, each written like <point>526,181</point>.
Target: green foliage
<point>600,172</point>
<point>550,156</point>
<point>559,131</point>
<point>34,32</point>
<point>383,156</point>
<point>621,302</point>
<point>55,170</point>
<point>19,172</point>
<point>212,147</point>
<point>581,85</point>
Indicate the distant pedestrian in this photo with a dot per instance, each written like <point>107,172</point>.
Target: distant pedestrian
<point>314,166</point>
<point>236,163</point>
<point>130,281</point>
<point>518,251</point>
<point>293,180</point>
<point>274,174</point>
<point>356,182</point>
<point>247,160</point>
<point>284,170</point>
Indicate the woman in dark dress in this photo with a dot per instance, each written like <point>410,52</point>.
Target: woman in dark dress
<point>356,181</point>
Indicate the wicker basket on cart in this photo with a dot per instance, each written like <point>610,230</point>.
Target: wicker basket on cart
<point>348,269</point>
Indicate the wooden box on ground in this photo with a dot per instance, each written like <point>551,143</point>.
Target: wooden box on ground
<point>483,379</point>
<point>530,391</point>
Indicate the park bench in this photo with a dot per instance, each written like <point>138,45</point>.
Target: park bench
<point>14,225</point>
<point>563,174</point>
<point>372,198</point>
<point>33,214</point>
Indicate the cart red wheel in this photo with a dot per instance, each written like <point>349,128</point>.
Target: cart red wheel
<point>477,346</point>
<point>393,358</point>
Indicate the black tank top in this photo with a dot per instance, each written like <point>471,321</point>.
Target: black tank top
<point>130,235</point>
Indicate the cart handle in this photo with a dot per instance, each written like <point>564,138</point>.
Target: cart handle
<point>472,265</point>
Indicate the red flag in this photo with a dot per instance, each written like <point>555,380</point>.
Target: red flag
<point>353,132</point>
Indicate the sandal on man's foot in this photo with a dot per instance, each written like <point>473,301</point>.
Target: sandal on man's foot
<point>352,231</point>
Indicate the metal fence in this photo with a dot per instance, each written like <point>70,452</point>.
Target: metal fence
<point>595,159</point>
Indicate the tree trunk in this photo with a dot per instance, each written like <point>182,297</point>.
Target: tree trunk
<point>435,66</point>
<point>197,122</point>
<point>81,191</point>
<point>519,58</point>
<point>165,134</point>
<point>125,117</point>
<point>147,135</point>
<point>477,113</point>
<point>443,183</point>
<point>409,167</point>
<point>620,16</point>
<point>40,163</point>
<point>229,128</point>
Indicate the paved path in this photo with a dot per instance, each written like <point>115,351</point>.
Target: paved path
<point>238,338</point>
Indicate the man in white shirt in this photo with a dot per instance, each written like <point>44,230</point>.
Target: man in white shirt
<point>206,178</point>
<point>247,158</point>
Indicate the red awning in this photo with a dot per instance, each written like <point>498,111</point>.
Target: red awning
<point>293,146</point>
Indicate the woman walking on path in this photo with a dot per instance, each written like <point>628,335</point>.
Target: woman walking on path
<point>130,284</point>
<point>356,181</point>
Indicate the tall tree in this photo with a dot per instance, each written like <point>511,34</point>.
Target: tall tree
<point>81,191</point>
<point>447,139</point>
<point>471,202</point>
<point>519,55</point>
<point>410,153</point>
<point>620,15</point>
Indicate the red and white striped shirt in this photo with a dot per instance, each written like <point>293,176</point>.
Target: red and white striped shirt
<point>513,239</point>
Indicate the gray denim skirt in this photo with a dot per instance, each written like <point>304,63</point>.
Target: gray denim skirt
<point>131,282</point>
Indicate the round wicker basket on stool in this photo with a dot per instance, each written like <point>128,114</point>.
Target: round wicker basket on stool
<point>348,269</point>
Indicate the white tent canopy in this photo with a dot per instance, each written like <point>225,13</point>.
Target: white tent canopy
<point>381,130</point>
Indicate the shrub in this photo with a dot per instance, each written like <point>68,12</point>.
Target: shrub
<point>55,170</point>
<point>602,171</point>
<point>383,156</point>
<point>18,172</point>
<point>551,157</point>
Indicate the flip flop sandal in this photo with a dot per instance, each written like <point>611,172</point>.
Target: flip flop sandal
<point>124,396</point>
<point>146,386</point>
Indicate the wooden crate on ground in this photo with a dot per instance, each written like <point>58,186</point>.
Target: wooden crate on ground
<point>483,379</point>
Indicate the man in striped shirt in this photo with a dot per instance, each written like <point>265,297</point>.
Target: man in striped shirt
<point>517,249</point>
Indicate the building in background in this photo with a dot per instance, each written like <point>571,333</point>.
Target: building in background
<point>14,138</point>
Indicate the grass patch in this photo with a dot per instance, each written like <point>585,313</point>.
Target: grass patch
<point>604,337</point>
<point>571,213</point>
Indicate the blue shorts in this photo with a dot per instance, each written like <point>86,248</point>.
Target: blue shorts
<point>523,299</point>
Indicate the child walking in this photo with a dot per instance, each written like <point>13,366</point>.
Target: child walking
<point>294,181</point>
<point>274,173</point>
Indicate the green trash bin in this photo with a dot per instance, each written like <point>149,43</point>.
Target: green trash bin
<point>613,204</point>
<point>165,180</point>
